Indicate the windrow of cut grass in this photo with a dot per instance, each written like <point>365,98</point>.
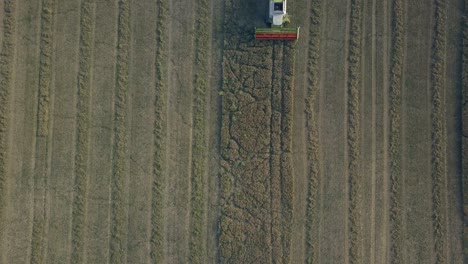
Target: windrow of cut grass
<point>287,189</point>
<point>396,82</point>
<point>464,81</point>
<point>438,159</point>
<point>159,137</point>
<point>45,66</point>
<point>199,144</point>
<point>354,133</point>
<point>87,21</point>
<point>314,173</point>
<point>6,70</point>
<point>120,166</point>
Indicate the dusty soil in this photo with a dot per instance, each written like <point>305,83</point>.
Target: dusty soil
<point>160,131</point>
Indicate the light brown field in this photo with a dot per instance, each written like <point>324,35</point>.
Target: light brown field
<point>160,131</point>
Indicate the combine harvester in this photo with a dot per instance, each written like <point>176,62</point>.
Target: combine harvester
<point>278,18</point>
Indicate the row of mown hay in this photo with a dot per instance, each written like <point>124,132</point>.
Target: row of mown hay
<point>82,129</point>
<point>314,176</point>
<point>438,158</point>
<point>120,167</point>
<point>396,75</point>
<point>45,66</point>
<point>159,137</point>
<point>354,133</point>
<point>199,148</point>
<point>39,228</point>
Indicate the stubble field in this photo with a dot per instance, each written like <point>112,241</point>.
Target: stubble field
<point>160,131</point>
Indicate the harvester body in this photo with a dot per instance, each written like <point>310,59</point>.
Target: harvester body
<point>277,19</point>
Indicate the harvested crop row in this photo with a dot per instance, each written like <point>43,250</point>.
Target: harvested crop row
<point>275,150</point>
<point>6,61</point>
<point>120,170</point>
<point>314,174</point>
<point>438,134</point>
<point>82,133</point>
<point>45,68</point>
<point>286,145</point>
<point>159,138</point>
<point>41,166</point>
<point>199,147</point>
<point>396,79</point>
<point>354,123</point>
<point>464,80</point>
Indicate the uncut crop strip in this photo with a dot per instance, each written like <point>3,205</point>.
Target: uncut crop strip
<point>6,61</point>
<point>287,191</point>
<point>45,68</point>
<point>275,150</point>
<point>438,158</point>
<point>159,137</point>
<point>314,173</point>
<point>199,148</point>
<point>354,123</point>
<point>120,170</point>
<point>82,124</point>
<point>396,79</point>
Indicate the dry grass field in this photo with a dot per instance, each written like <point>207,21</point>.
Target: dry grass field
<point>160,131</point>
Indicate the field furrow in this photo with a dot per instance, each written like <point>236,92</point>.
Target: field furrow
<point>438,132</point>
<point>103,81</point>
<point>118,239</point>
<point>180,99</point>
<point>7,55</point>
<point>312,223</point>
<point>418,231</point>
<point>60,181</point>
<point>43,142</point>
<point>23,135</point>
<point>159,157</point>
<point>45,69</point>
<point>199,134</point>
<point>82,145</point>
<point>353,133</point>
<point>396,83</point>
<point>382,46</point>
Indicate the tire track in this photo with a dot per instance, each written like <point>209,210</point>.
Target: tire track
<point>45,70</point>
<point>396,79</point>
<point>43,141</point>
<point>313,152</point>
<point>7,55</point>
<point>159,138</point>
<point>354,126</point>
<point>313,156</point>
<point>120,158</point>
<point>438,152</point>
<point>82,133</point>
<point>199,138</point>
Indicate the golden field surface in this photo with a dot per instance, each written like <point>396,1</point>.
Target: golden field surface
<point>160,131</point>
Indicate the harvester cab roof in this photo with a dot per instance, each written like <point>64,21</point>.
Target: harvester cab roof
<point>277,19</point>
